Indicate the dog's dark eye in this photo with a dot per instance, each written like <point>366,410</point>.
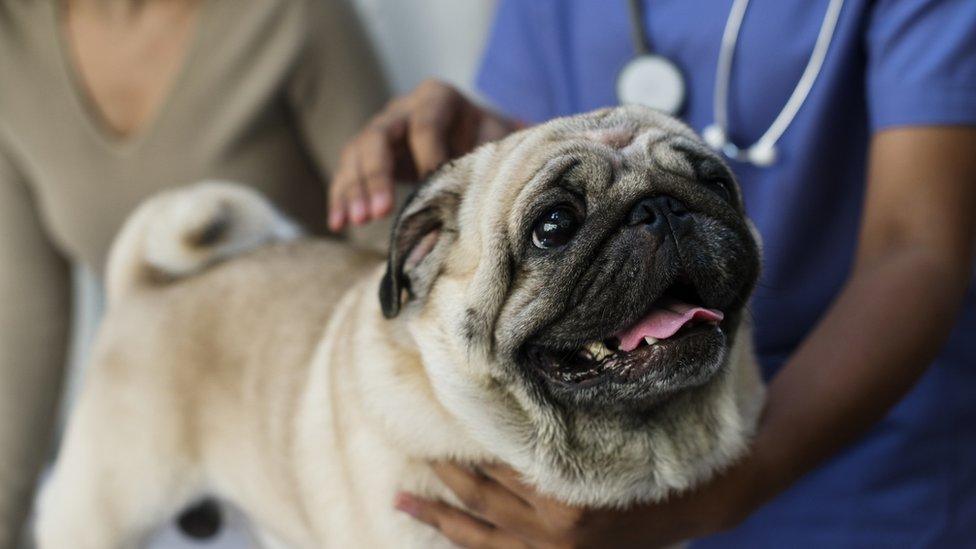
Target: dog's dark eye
<point>555,228</point>
<point>720,187</point>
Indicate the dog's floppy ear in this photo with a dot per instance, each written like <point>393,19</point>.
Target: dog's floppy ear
<point>426,220</point>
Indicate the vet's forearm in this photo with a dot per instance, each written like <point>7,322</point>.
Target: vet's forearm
<point>865,355</point>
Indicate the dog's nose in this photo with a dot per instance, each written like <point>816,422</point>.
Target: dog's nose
<point>660,213</point>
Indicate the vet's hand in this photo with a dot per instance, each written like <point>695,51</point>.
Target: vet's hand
<point>505,513</point>
<point>407,141</point>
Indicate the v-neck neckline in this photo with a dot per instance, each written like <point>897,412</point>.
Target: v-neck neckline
<point>92,116</point>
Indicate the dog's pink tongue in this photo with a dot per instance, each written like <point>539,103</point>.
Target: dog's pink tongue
<point>668,317</point>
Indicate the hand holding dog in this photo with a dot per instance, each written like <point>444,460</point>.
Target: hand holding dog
<point>503,512</point>
<point>408,140</point>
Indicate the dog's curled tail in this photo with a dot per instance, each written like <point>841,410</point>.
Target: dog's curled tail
<point>181,232</point>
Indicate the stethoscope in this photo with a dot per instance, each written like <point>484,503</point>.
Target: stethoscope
<point>655,81</point>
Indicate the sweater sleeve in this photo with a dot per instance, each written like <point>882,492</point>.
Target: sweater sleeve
<point>34,322</point>
<point>337,85</point>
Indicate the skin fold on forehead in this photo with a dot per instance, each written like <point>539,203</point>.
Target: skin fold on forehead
<point>503,171</point>
<point>627,133</point>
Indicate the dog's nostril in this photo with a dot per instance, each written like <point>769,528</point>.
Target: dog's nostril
<point>649,217</point>
<point>644,213</point>
<point>651,210</point>
<point>675,206</point>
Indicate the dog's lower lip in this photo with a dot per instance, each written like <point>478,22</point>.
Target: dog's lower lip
<point>569,368</point>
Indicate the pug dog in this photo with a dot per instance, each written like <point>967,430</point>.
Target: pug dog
<point>569,300</point>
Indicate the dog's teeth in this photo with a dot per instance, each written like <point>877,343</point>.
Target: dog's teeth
<point>598,350</point>
<point>650,340</point>
<point>593,350</point>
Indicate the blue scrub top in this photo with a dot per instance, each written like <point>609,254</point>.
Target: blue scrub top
<point>911,482</point>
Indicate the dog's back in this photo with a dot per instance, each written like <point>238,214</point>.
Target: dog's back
<point>216,306</point>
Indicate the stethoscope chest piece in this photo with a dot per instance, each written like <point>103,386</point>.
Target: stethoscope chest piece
<point>653,81</point>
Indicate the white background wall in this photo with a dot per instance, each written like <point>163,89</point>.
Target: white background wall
<point>420,38</point>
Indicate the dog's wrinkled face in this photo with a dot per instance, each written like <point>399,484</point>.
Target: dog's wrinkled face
<point>598,266</point>
<point>638,260</point>
<point>629,262</point>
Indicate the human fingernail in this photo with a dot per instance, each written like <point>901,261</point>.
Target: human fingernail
<point>357,210</point>
<point>380,203</point>
<point>406,503</point>
<point>335,219</point>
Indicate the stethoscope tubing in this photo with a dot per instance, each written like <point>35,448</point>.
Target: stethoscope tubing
<point>763,151</point>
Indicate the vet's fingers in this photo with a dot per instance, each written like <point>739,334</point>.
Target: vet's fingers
<point>558,518</point>
<point>354,198</point>
<point>356,205</point>
<point>493,126</point>
<point>457,526</point>
<point>490,500</point>
<point>551,510</point>
<point>430,122</point>
<point>512,480</point>
<point>337,210</point>
<point>377,171</point>
<point>346,177</point>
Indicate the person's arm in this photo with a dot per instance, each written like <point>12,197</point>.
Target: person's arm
<point>34,317</point>
<point>913,265</point>
<point>337,85</point>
